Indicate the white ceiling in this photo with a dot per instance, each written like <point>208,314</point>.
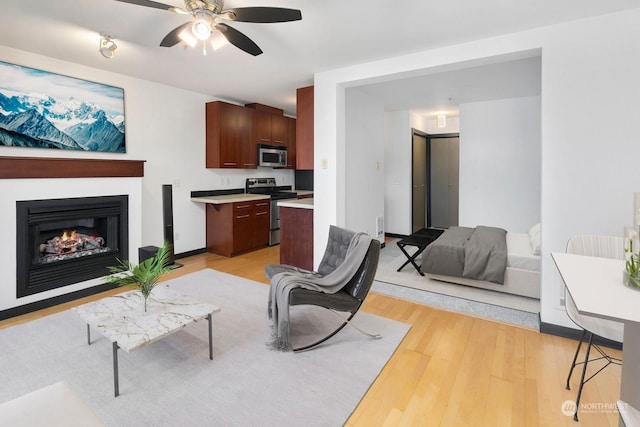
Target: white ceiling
<point>332,34</point>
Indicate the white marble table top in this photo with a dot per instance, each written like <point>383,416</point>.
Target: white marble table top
<point>122,319</point>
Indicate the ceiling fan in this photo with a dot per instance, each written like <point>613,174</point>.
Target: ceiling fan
<point>206,24</point>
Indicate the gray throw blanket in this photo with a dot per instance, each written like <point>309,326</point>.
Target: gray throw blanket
<point>283,282</point>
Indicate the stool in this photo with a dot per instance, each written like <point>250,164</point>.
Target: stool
<point>420,239</point>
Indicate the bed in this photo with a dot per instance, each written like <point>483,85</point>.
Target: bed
<point>486,257</point>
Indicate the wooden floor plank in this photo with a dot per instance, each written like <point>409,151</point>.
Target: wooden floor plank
<point>451,369</point>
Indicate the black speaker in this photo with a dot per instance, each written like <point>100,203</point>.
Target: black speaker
<point>146,252</point>
<point>167,218</point>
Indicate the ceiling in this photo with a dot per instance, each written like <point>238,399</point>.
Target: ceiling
<point>332,34</point>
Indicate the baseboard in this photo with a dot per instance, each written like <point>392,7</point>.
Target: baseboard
<point>50,302</point>
<point>394,235</point>
<point>565,332</point>
<point>191,253</point>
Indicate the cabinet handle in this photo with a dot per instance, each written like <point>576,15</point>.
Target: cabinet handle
<point>265,139</point>
<point>249,164</point>
<point>262,204</point>
<point>261,213</point>
<point>230,163</point>
<point>242,207</point>
<point>278,141</point>
<point>242,216</point>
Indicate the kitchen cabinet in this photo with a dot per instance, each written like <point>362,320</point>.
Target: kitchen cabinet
<point>304,128</point>
<point>229,142</point>
<point>291,143</point>
<point>235,228</point>
<point>270,126</point>
<point>296,234</point>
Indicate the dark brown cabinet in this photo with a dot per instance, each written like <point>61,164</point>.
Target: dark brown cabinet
<point>271,129</point>
<point>235,228</point>
<point>270,126</point>
<point>229,142</point>
<point>304,128</point>
<point>291,142</point>
<point>296,237</point>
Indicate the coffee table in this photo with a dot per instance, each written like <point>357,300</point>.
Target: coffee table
<point>121,318</point>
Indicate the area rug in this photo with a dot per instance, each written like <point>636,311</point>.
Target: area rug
<point>172,382</point>
<point>409,277</point>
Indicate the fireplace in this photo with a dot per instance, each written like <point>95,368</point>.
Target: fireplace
<point>65,241</point>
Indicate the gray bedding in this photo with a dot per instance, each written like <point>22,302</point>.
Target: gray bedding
<point>474,253</point>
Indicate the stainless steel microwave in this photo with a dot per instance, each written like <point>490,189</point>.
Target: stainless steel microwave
<point>272,156</point>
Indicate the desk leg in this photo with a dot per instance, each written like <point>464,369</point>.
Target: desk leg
<point>116,386</point>
<point>630,381</point>
<point>88,334</point>
<point>210,337</point>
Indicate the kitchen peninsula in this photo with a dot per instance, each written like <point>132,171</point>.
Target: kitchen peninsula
<point>296,233</point>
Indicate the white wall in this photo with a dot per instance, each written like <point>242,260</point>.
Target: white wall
<point>365,161</point>
<point>397,184</point>
<point>589,169</point>
<point>500,164</point>
<point>165,126</point>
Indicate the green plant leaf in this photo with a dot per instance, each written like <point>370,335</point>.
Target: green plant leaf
<point>145,275</point>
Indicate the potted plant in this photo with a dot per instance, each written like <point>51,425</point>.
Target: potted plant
<point>145,275</point>
<point>631,274</point>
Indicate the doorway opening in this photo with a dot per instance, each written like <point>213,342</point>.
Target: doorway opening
<point>435,176</point>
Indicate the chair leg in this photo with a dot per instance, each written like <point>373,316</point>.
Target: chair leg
<point>345,321</point>
<point>575,357</point>
<point>584,370</point>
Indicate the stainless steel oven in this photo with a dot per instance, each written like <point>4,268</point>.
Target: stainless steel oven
<point>268,186</point>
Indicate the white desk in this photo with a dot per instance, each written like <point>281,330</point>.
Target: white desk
<point>595,284</point>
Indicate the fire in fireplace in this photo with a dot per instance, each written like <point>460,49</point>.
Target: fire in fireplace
<point>66,241</point>
<point>71,244</point>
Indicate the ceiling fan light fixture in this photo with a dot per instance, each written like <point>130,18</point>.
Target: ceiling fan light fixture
<point>201,29</point>
<point>188,38</point>
<point>107,46</point>
<point>218,40</point>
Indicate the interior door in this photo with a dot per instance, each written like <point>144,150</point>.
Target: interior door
<point>419,180</point>
<point>443,181</point>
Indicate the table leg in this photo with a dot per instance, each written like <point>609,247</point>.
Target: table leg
<point>210,337</point>
<point>116,386</point>
<point>88,334</point>
<point>630,381</point>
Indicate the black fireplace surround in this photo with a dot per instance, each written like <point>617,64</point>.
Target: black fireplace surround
<point>44,261</point>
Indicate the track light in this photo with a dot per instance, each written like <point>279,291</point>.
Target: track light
<point>107,46</point>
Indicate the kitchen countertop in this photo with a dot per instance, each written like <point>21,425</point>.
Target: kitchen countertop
<point>242,197</point>
<point>230,198</point>
<point>299,203</point>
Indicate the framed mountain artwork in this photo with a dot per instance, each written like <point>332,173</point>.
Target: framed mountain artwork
<point>40,109</point>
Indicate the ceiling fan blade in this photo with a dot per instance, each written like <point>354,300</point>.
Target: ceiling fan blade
<point>155,5</point>
<point>264,14</point>
<point>172,38</point>
<point>239,40</point>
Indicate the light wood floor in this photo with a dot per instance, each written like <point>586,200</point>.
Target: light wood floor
<point>451,369</point>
